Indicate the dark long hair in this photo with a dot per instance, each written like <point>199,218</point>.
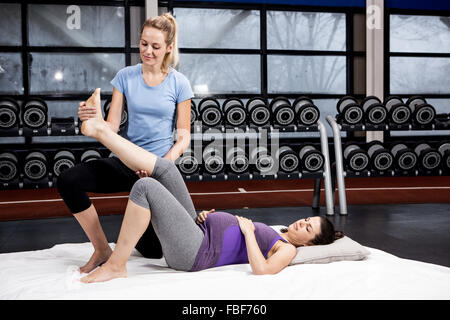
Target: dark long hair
<point>326,235</point>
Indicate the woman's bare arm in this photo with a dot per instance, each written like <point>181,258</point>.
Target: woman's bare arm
<point>183,131</point>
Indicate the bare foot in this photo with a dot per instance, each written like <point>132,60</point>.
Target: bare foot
<point>106,272</point>
<point>91,126</point>
<point>97,258</point>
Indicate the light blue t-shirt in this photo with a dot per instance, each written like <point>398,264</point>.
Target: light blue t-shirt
<point>152,109</point>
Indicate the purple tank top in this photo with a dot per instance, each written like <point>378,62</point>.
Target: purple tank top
<point>224,242</point>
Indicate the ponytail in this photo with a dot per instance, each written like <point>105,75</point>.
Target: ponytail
<point>167,24</point>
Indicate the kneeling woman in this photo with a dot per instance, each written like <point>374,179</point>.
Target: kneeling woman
<point>190,242</point>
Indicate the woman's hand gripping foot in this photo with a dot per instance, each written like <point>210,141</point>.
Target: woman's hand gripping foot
<point>92,126</point>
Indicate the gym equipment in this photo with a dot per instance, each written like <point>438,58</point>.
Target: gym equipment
<point>34,113</point>
<point>444,149</point>
<point>429,158</point>
<point>355,157</point>
<point>90,155</point>
<point>283,113</point>
<point>350,112</point>
<point>9,166</point>
<point>63,160</point>
<point>194,113</point>
<point>187,163</point>
<point>375,111</point>
<point>234,112</point>
<point>380,158</point>
<point>306,113</point>
<point>9,113</point>
<point>423,113</point>
<point>404,158</point>
<point>398,112</point>
<point>123,119</point>
<point>236,160</point>
<point>311,159</point>
<point>213,159</point>
<point>262,160</point>
<point>210,112</point>
<point>287,158</point>
<point>36,165</point>
<point>259,112</point>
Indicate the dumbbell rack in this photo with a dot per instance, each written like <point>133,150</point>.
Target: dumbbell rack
<point>438,124</point>
<point>274,131</point>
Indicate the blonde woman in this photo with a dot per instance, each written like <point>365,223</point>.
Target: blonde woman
<point>158,98</point>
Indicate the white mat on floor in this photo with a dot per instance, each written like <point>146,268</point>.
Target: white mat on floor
<point>52,274</point>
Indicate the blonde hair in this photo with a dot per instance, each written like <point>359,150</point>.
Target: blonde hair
<point>167,24</point>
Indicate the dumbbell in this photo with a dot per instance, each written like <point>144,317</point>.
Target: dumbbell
<point>374,110</point>
<point>124,117</point>
<point>444,149</point>
<point>306,113</point>
<point>213,159</point>
<point>287,158</point>
<point>349,110</point>
<point>398,112</point>
<point>429,158</point>
<point>209,112</point>
<point>234,112</point>
<point>355,157</point>
<point>283,113</point>
<point>9,113</point>
<point>194,113</point>
<point>262,160</point>
<point>423,113</point>
<point>404,158</point>
<point>36,165</point>
<point>90,155</point>
<point>258,111</point>
<point>381,158</point>
<point>187,163</point>
<point>63,160</point>
<point>34,113</point>
<point>236,160</point>
<point>311,159</point>
<point>9,166</point>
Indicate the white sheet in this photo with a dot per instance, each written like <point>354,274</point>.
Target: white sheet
<point>52,274</point>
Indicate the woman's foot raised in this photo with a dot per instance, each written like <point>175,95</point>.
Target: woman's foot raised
<point>106,272</point>
<point>92,126</point>
<point>97,258</point>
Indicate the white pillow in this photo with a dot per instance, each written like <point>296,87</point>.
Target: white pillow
<point>344,249</point>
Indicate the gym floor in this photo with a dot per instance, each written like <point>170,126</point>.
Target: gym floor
<point>412,231</point>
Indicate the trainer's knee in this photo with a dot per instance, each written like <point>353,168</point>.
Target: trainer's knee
<point>66,181</point>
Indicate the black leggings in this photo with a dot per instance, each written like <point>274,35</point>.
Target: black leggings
<point>107,175</point>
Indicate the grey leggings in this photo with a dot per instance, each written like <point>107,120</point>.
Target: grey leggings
<point>173,214</point>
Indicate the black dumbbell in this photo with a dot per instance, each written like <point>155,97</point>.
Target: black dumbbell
<point>209,112</point>
<point>187,163</point>
<point>287,158</point>
<point>429,158</point>
<point>258,111</point>
<point>398,112</point>
<point>36,165</point>
<point>194,112</point>
<point>90,155</point>
<point>404,158</point>
<point>356,158</point>
<point>213,159</point>
<point>375,112</point>
<point>236,160</point>
<point>234,112</point>
<point>306,112</point>
<point>124,117</point>
<point>423,113</point>
<point>381,158</point>
<point>311,159</point>
<point>9,113</point>
<point>261,160</point>
<point>283,113</point>
<point>35,113</point>
<point>444,149</point>
<point>63,160</point>
<point>349,110</point>
<point>9,166</point>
